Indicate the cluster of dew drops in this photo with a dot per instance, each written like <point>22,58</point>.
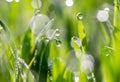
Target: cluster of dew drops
<point>87,61</point>
<point>39,22</point>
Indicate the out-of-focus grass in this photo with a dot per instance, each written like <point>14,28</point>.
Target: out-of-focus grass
<point>87,50</point>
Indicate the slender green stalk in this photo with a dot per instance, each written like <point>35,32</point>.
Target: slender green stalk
<point>33,59</point>
<point>116,39</point>
<point>116,11</point>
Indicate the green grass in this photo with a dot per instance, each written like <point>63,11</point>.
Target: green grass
<point>70,44</point>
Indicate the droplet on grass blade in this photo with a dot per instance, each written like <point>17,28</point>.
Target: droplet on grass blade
<point>1,29</point>
<point>49,33</point>
<point>76,76</point>
<point>58,43</point>
<point>57,34</point>
<point>36,4</point>
<point>76,40</point>
<point>79,16</point>
<point>76,79</point>
<point>47,40</point>
<point>38,22</point>
<point>91,76</point>
<point>72,62</point>
<point>87,64</point>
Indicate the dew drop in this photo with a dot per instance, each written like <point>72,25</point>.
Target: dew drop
<point>102,15</point>
<point>76,77</point>
<point>87,64</point>
<point>107,9</point>
<point>76,40</point>
<point>79,16</point>
<point>9,0</point>
<point>91,76</point>
<point>17,1</point>
<point>58,43</point>
<point>36,4</point>
<point>72,62</point>
<point>69,3</point>
<point>1,29</point>
<point>38,22</point>
<point>107,54</point>
<point>49,33</point>
<point>57,34</point>
<point>47,40</point>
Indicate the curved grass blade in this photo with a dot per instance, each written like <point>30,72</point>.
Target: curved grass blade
<point>28,46</point>
<point>81,33</point>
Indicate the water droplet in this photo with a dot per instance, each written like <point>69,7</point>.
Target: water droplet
<point>102,15</point>
<point>79,16</point>
<point>36,4</point>
<point>72,62</point>
<point>9,0</point>
<point>57,34</point>
<point>86,66</point>
<point>34,63</point>
<point>47,40</point>
<point>87,57</point>
<point>17,1</point>
<point>91,76</point>
<point>76,40</point>
<point>1,29</point>
<point>38,22</point>
<point>107,9</point>
<point>50,62</point>
<point>58,43</point>
<point>76,77</point>
<point>50,33</point>
<point>107,54</point>
<point>87,63</point>
<point>69,3</point>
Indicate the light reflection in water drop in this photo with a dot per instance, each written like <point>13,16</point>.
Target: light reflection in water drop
<point>79,16</point>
